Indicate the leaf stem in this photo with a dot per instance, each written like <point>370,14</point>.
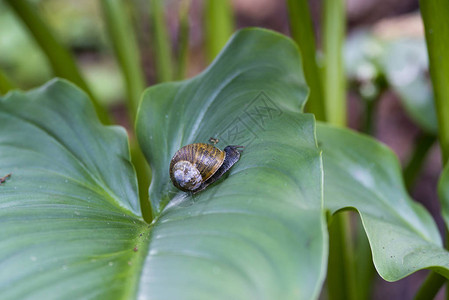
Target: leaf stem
<point>334,75</point>
<point>368,116</point>
<point>59,57</point>
<point>126,50</point>
<point>432,284</point>
<point>143,172</point>
<point>341,270</point>
<point>219,25</point>
<point>363,263</point>
<point>183,39</point>
<point>434,14</point>
<point>414,165</point>
<point>161,40</point>
<point>301,29</point>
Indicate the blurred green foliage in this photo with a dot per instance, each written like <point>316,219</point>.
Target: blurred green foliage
<point>402,64</point>
<point>15,44</point>
<point>77,24</point>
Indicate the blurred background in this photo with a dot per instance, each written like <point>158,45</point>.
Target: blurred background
<point>388,89</point>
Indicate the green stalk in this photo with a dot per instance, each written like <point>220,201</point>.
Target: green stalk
<point>334,75</point>
<point>301,29</point>
<point>183,39</point>
<point>218,24</point>
<point>370,104</point>
<point>341,269</point>
<point>126,49</point>
<point>5,84</point>
<point>363,263</point>
<point>430,287</point>
<point>423,145</point>
<point>60,58</point>
<point>143,172</point>
<point>161,40</point>
<point>435,14</point>
<point>368,116</point>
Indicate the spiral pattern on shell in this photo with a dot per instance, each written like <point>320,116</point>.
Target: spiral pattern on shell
<point>194,164</point>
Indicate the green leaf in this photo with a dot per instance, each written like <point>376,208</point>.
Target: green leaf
<point>443,193</point>
<point>69,213</point>
<point>362,174</point>
<point>70,216</point>
<point>259,233</point>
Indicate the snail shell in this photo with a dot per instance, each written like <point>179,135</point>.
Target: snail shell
<point>195,166</point>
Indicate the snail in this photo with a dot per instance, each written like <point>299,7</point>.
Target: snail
<point>195,166</point>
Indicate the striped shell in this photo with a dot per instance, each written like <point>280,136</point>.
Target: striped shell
<point>194,164</point>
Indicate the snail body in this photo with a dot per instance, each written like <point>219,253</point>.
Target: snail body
<point>195,166</point>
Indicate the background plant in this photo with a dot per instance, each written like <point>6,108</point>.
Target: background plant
<point>394,212</point>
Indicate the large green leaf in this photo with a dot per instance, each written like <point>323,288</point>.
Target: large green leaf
<point>259,233</point>
<point>362,174</point>
<point>70,217</point>
<point>443,192</point>
<point>69,213</point>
